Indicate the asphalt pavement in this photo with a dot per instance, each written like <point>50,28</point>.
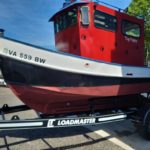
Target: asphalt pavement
<point>112,136</point>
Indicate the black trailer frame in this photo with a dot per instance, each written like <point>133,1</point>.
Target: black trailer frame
<point>140,116</point>
<point>54,122</point>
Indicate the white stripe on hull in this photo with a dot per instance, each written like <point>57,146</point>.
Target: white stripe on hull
<point>70,63</point>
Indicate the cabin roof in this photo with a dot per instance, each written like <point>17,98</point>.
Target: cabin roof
<point>67,6</point>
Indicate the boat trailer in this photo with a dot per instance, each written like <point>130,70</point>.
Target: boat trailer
<point>44,121</point>
<point>140,118</point>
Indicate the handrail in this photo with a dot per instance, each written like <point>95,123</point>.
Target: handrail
<point>98,1</point>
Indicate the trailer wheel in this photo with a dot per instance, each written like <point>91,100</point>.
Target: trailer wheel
<point>144,125</point>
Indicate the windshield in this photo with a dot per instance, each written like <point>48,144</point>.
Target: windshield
<point>65,20</point>
<point>105,21</point>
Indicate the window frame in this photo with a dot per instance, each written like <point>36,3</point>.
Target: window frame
<point>62,16</point>
<point>82,16</point>
<point>125,20</point>
<point>106,14</point>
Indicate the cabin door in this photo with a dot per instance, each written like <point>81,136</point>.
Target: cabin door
<point>130,42</point>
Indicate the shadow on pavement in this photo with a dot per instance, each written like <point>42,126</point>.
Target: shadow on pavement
<point>35,134</point>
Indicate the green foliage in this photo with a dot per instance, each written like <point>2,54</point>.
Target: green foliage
<point>141,9</point>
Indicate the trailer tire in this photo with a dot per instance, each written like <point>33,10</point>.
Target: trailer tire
<point>144,125</point>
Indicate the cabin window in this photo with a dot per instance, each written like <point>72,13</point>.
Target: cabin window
<point>65,20</point>
<point>105,21</point>
<point>130,29</point>
<point>85,15</point>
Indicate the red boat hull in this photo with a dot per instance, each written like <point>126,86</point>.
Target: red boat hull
<point>54,91</point>
<point>52,100</point>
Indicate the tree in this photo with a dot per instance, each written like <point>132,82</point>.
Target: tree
<point>141,9</point>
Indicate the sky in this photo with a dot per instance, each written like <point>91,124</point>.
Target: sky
<point>27,20</point>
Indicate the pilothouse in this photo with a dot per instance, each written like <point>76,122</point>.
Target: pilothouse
<point>90,30</point>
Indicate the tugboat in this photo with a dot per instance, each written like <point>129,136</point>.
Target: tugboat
<point>99,63</point>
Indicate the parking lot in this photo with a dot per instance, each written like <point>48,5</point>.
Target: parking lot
<point>112,136</point>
